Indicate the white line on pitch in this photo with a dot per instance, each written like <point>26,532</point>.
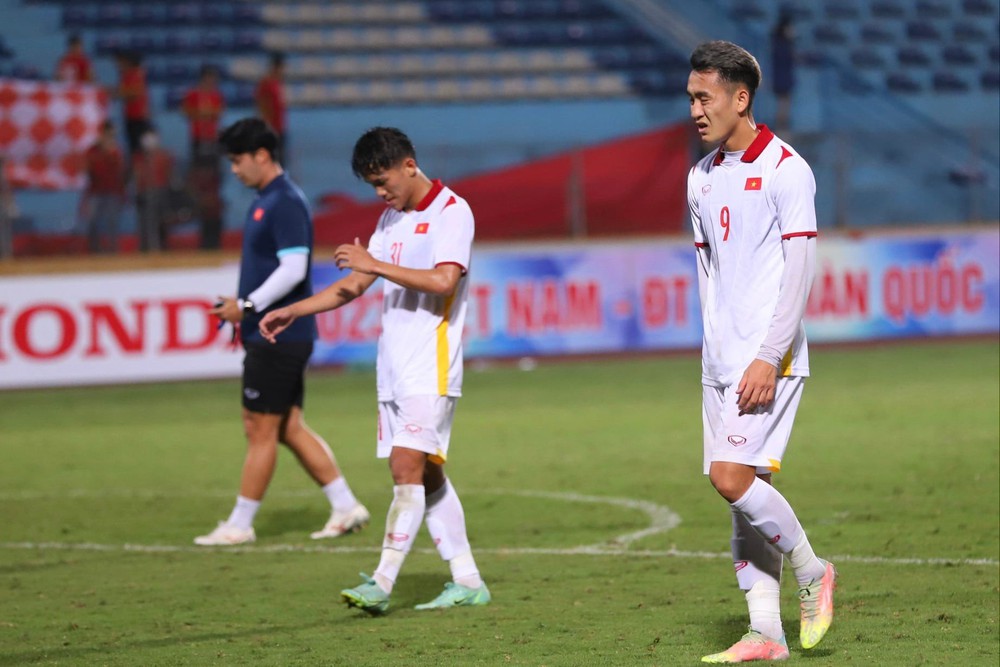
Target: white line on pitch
<point>502,551</point>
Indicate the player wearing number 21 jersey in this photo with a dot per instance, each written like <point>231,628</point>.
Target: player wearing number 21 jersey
<point>421,248</point>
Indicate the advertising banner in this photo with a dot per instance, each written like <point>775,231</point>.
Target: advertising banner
<point>114,327</point>
<point>622,297</point>
<point>527,301</point>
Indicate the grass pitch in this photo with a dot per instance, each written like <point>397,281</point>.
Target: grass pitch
<point>600,539</point>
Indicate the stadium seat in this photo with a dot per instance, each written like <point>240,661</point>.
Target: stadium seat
<point>867,58</point>
<point>108,45</point>
<point>143,16</point>
<point>812,57</point>
<point>900,82</point>
<point>949,82</point>
<point>183,13</point>
<point>995,53</point>
<point>75,18</point>
<point>887,9</point>
<point>968,31</point>
<point>990,80</point>
<point>913,56</point>
<point>956,54</point>
<point>933,9</point>
<point>842,9</point>
<point>922,30</point>
<point>877,33</point>
<point>829,33</point>
<point>112,15</point>
<point>143,43</point>
<point>246,15</point>
<point>979,7</point>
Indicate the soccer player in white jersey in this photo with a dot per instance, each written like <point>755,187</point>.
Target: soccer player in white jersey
<point>421,248</point>
<point>754,219</point>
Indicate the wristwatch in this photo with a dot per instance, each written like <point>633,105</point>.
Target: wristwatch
<point>246,305</point>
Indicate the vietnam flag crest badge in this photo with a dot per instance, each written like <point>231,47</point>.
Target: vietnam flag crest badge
<point>753,183</point>
<point>422,228</point>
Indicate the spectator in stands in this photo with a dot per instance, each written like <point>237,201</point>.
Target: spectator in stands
<point>783,69</point>
<point>153,170</point>
<point>271,106</point>
<point>74,65</point>
<point>105,192</point>
<point>134,94</point>
<point>203,105</point>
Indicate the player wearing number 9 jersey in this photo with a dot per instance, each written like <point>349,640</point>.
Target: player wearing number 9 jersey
<point>751,204</point>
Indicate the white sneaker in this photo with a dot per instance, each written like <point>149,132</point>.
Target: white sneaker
<point>225,535</point>
<point>350,521</point>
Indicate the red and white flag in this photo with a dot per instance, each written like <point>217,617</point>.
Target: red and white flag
<point>45,129</point>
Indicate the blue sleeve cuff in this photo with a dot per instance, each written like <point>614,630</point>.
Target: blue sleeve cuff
<point>294,250</point>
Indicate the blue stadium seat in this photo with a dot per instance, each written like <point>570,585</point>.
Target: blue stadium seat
<point>112,15</point>
<point>877,33</point>
<point>842,9</point>
<point>216,14</point>
<point>143,43</point>
<point>74,18</point>
<point>246,40</point>
<point>107,45</point>
<point>922,30</point>
<point>990,80</point>
<point>829,33</point>
<point>183,13</point>
<point>913,56</point>
<point>867,58</point>
<point>180,72</point>
<point>246,15</point>
<point>212,42</point>
<point>900,82</point>
<point>995,53</point>
<point>812,57</point>
<point>934,9</point>
<point>178,42</point>
<point>956,54</point>
<point>968,31</point>
<point>979,7</point>
<point>749,11</point>
<point>887,9</point>
<point>949,82</point>
<point>144,16</point>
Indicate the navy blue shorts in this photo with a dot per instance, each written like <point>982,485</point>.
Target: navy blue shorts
<point>274,376</point>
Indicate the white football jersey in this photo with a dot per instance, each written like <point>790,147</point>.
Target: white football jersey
<point>420,346</point>
<point>743,205</point>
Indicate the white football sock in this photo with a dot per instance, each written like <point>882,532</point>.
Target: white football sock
<point>243,513</point>
<point>764,601</point>
<point>771,516</point>
<point>446,524</point>
<point>753,558</point>
<point>339,494</point>
<point>401,526</point>
<point>805,563</point>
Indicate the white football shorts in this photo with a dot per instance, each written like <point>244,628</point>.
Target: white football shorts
<point>416,422</point>
<point>757,439</point>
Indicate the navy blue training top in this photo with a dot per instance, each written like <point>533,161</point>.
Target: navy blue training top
<point>279,221</point>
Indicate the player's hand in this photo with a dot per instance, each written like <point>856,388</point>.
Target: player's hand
<point>756,388</point>
<point>226,308</point>
<point>354,256</point>
<point>275,322</point>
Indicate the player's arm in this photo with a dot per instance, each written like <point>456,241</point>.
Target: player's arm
<point>794,193</point>
<point>440,281</point>
<point>345,290</point>
<point>703,250</point>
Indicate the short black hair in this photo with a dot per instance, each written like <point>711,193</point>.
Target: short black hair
<point>248,135</point>
<point>380,148</point>
<point>733,63</point>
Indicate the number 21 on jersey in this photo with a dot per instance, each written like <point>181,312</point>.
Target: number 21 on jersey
<point>396,252</point>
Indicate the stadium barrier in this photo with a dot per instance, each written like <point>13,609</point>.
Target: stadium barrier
<point>531,300</point>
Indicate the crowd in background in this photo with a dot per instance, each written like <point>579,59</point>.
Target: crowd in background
<point>143,172</point>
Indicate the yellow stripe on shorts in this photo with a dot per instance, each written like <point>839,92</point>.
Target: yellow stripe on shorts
<point>786,363</point>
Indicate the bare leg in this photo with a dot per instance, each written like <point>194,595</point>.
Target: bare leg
<point>309,448</point>
<point>262,452</point>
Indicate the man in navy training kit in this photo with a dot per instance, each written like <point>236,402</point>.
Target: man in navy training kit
<point>275,271</point>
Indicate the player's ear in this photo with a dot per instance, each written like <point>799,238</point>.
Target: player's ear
<point>410,166</point>
<point>742,99</point>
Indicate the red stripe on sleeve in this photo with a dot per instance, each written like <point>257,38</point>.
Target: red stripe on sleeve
<point>464,270</point>
<point>785,237</point>
<point>700,245</point>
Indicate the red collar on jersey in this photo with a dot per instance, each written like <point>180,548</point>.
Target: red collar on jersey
<point>755,148</point>
<point>436,188</point>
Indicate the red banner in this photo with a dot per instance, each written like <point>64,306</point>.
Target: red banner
<point>635,185</point>
<point>45,129</point>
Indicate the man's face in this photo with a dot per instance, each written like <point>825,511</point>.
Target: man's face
<point>248,167</point>
<point>715,105</point>
<point>396,185</point>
